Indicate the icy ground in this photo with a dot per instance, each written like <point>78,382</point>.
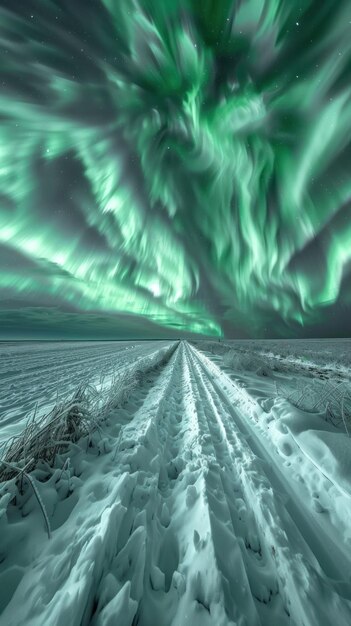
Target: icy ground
<point>206,500</point>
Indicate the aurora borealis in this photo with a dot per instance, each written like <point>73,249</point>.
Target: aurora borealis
<point>174,165</point>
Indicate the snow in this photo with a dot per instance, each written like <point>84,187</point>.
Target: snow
<point>34,376</point>
<point>206,499</point>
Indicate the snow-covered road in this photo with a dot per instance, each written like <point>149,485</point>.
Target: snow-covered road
<point>186,512</point>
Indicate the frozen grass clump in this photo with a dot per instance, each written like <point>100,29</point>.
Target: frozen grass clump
<point>243,361</point>
<point>43,438</point>
<point>333,398</point>
<point>216,348</point>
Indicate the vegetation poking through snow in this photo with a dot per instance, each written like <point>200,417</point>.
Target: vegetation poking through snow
<point>43,438</point>
<point>330,397</point>
<point>320,389</point>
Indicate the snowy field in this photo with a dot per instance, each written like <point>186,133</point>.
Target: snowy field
<point>216,492</point>
<point>326,357</point>
<point>34,376</point>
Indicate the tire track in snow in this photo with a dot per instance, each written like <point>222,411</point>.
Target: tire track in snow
<point>227,497</point>
<point>198,579</point>
<point>238,601</point>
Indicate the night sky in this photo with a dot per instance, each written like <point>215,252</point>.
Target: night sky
<point>171,167</point>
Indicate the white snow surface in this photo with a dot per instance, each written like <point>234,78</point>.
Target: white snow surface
<point>206,501</point>
<point>34,376</point>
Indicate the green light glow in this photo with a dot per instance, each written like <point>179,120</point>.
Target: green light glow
<point>183,161</point>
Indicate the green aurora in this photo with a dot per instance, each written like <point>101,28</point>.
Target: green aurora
<point>181,164</point>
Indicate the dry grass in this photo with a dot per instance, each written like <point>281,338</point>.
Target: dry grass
<point>45,437</point>
<point>330,397</point>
